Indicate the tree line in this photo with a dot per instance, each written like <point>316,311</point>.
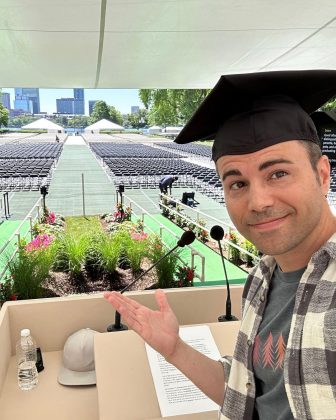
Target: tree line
<point>162,107</point>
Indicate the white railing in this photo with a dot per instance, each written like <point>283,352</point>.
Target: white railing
<point>228,228</point>
<point>6,251</point>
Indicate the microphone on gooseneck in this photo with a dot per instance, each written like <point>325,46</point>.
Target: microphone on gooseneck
<point>187,238</point>
<point>217,233</point>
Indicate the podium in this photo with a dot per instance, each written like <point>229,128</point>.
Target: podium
<point>124,381</point>
<point>125,388</point>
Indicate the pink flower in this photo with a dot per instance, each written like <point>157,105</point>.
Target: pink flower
<point>139,236</point>
<point>40,241</point>
<point>50,218</point>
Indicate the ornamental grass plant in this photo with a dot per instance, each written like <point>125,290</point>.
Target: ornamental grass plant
<point>109,250</point>
<point>137,250</point>
<point>70,254</point>
<point>29,269</point>
<point>166,269</point>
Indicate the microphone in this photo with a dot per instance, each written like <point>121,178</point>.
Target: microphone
<point>217,233</point>
<point>187,238</point>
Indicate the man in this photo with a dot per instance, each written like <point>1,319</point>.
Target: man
<point>167,182</point>
<point>275,182</point>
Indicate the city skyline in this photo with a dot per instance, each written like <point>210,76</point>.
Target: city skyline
<point>121,99</point>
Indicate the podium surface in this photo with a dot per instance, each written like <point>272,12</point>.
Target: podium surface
<point>124,380</point>
<point>49,400</point>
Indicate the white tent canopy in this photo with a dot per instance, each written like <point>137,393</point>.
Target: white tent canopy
<point>154,129</point>
<point>104,125</point>
<point>44,124</point>
<point>135,44</point>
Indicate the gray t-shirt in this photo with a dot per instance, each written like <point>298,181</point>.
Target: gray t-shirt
<point>270,345</point>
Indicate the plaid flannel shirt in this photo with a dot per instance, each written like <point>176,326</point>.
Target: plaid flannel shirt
<point>310,358</point>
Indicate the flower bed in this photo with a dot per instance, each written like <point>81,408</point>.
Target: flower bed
<point>80,255</point>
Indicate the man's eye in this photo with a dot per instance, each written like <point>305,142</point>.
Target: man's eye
<point>237,185</point>
<point>278,174</point>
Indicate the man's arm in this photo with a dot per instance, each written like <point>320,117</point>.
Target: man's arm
<point>160,330</point>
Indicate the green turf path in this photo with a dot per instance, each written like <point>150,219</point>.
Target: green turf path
<point>65,192</point>
<point>213,266</point>
<point>7,229</point>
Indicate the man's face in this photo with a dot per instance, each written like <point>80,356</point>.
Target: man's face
<point>274,197</point>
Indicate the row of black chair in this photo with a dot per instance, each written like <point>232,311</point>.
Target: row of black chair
<point>197,149</point>
<point>29,151</point>
<point>146,173</point>
<point>108,150</point>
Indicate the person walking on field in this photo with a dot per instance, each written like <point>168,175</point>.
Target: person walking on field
<point>275,181</point>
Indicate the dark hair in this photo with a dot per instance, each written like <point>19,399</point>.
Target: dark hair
<point>314,152</point>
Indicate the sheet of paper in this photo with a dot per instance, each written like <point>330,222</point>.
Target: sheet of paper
<point>176,394</point>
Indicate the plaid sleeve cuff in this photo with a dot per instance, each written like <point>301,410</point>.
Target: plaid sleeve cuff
<point>226,361</point>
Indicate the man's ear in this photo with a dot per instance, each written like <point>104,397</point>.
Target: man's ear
<point>323,172</point>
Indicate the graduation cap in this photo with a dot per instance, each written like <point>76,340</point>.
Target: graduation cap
<point>245,113</point>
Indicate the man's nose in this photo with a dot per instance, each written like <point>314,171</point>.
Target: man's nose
<point>260,197</point>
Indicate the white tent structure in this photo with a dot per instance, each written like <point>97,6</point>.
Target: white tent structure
<point>44,124</point>
<point>103,125</point>
<point>136,44</point>
<point>172,130</point>
<point>155,129</point>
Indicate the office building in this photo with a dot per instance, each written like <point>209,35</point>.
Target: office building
<point>134,109</point>
<point>5,100</point>
<point>65,105</point>
<point>91,106</point>
<point>23,104</point>
<point>29,94</point>
<point>79,101</point>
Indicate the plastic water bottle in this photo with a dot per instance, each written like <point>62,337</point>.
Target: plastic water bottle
<point>26,361</point>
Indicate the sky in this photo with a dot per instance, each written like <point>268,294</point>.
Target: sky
<point>121,99</point>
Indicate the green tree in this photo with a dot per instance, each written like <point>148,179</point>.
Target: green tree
<point>115,115</point>
<point>62,120</point>
<point>136,120</point>
<point>171,106</point>
<point>100,111</point>
<point>21,120</point>
<point>79,121</point>
<point>330,105</point>
<point>3,114</point>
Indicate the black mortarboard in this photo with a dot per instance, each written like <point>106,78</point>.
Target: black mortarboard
<point>245,113</point>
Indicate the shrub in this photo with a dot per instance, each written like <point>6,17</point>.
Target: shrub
<point>92,260</point>
<point>252,249</point>
<point>185,276</point>
<point>137,250</point>
<point>110,247</point>
<point>29,269</point>
<point>200,232</point>
<point>7,290</point>
<point>234,253</point>
<point>70,254</point>
<point>166,269</point>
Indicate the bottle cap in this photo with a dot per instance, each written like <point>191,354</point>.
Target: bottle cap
<point>25,332</point>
